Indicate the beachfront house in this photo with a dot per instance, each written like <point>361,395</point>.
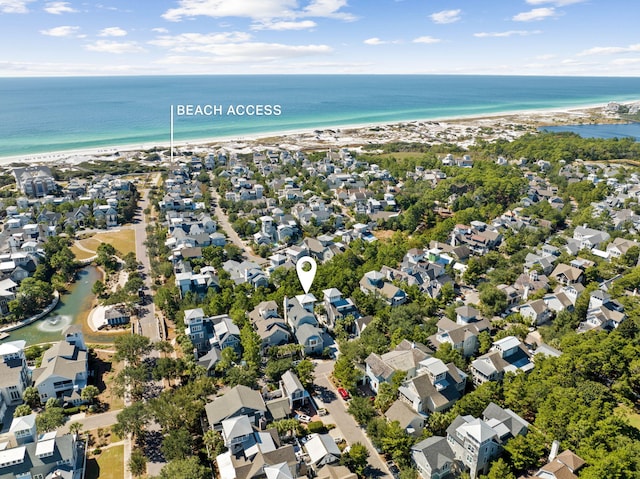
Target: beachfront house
<point>35,181</point>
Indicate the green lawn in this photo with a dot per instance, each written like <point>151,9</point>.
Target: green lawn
<point>633,417</point>
<point>107,465</point>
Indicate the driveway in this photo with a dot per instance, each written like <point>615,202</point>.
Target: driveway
<point>349,428</point>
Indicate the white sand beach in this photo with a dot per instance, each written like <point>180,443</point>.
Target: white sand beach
<point>464,130</point>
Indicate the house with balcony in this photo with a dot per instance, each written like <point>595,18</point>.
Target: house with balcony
<point>293,390</point>
<point>64,371</point>
<point>207,333</point>
<point>506,355</point>
<point>434,458</point>
<point>300,316</point>
<point>476,442</point>
<point>405,357</point>
<point>436,387</point>
<point>374,283</point>
<point>462,337</point>
<point>602,313</point>
<point>336,307</point>
<point>14,374</point>
<point>271,328</point>
<point>26,454</point>
<point>238,401</point>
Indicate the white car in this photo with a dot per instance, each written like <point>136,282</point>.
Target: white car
<point>303,418</point>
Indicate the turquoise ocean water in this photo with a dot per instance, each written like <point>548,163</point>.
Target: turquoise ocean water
<point>53,114</point>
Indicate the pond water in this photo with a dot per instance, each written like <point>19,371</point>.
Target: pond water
<point>73,308</point>
<point>623,130</point>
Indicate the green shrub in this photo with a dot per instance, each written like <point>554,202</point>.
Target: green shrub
<point>316,427</point>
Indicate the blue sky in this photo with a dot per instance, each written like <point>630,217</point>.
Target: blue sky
<point>120,37</point>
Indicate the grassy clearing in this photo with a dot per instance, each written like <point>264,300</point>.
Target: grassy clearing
<point>80,253</point>
<point>90,243</point>
<point>107,465</point>
<point>383,234</point>
<point>124,241</point>
<point>633,417</point>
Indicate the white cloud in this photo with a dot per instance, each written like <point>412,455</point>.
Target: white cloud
<point>509,33</point>
<point>284,25</point>
<point>160,30</point>
<point>610,50</point>
<point>327,8</point>
<point>232,46</point>
<point>426,39</point>
<point>557,3</point>
<point>112,32</point>
<point>446,16</point>
<point>58,8</point>
<point>14,6</point>
<point>375,41</point>
<point>259,10</point>
<point>108,46</point>
<point>547,56</point>
<point>535,15</point>
<point>194,41</point>
<point>63,31</point>
<point>247,52</point>
<point>256,9</point>
<point>625,61</point>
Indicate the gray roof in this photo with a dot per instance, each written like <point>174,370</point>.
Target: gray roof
<point>400,411</point>
<point>64,449</point>
<point>306,331</point>
<point>279,408</point>
<point>434,452</point>
<point>320,446</point>
<point>233,402</point>
<point>61,360</point>
<point>291,382</point>
<point>510,419</point>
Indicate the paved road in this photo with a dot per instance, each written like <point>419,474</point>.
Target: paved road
<point>223,222</point>
<point>349,428</point>
<point>94,421</point>
<point>148,322</point>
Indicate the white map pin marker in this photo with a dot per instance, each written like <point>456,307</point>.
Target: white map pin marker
<point>306,277</point>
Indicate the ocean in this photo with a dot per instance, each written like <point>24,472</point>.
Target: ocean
<point>39,115</point>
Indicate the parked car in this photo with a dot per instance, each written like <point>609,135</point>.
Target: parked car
<point>303,418</point>
<point>343,393</point>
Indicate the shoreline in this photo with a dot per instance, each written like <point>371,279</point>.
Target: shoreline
<point>534,117</point>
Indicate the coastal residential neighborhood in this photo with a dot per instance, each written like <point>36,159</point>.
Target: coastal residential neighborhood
<point>474,313</point>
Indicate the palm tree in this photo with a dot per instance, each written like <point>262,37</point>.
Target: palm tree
<point>75,428</point>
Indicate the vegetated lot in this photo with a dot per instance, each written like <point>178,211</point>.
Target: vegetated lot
<point>633,417</point>
<point>123,240</point>
<point>109,464</point>
<point>105,374</point>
